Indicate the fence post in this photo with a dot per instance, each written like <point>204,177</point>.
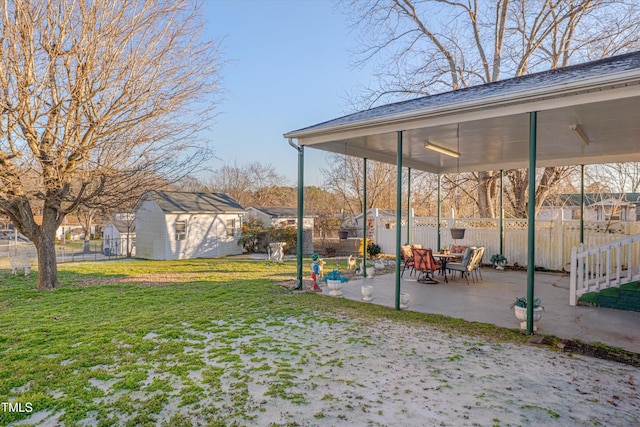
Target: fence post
<point>559,224</point>
<point>573,280</point>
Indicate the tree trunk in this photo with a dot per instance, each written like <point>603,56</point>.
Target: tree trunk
<point>47,265</point>
<point>485,206</point>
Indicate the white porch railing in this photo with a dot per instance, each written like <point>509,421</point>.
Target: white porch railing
<point>604,266</point>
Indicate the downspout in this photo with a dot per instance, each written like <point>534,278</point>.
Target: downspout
<point>300,149</point>
<point>398,218</point>
<point>533,122</point>
<point>364,219</point>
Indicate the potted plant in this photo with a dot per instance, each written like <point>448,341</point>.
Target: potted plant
<point>334,281</point>
<point>498,261</point>
<point>457,233</point>
<point>520,310</point>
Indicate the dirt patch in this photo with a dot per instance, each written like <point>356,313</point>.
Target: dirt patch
<point>161,279</point>
<point>601,352</point>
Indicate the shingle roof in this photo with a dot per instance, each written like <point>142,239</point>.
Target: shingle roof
<point>279,211</point>
<point>500,88</point>
<point>590,199</point>
<point>176,201</point>
<point>124,226</point>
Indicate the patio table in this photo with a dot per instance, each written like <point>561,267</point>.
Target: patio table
<point>444,258</point>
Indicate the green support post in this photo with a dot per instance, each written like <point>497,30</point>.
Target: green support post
<point>398,219</point>
<point>364,220</point>
<point>501,225</point>
<point>409,206</point>
<point>582,204</point>
<point>300,149</point>
<point>531,257</point>
<point>439,209</point>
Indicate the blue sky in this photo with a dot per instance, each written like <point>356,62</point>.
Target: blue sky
<point>289,67</point>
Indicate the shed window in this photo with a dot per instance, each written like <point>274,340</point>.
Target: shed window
<point>181,230</point>
<point>231,227</point>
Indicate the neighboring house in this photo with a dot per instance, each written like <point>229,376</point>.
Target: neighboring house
<point>284,217</point>
<point>181,225</point>
<point>118,235</point>
<point>279,216</point>
<point>356,225</point>
<point>70,229</point>
<point>598,207</point>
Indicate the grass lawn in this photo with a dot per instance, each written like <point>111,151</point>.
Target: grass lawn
<point>169,342</point>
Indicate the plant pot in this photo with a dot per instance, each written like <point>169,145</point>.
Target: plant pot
<point>521,315</point>
<point>500,265</point>
<point>334,287</point>
<point>367,292</point>
<point>343,234</point>
<point>457,233</point>
<point>404,299</point>
<point>371,271</point>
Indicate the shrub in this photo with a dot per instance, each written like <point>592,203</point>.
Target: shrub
<point>373,249</point>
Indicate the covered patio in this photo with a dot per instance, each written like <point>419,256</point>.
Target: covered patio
<point>583,114</point>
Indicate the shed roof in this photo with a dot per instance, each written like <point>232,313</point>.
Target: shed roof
<point>124,226</point>
<point>193,202</point>
<point>488,125</point>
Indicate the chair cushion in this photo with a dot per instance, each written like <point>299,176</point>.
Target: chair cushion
<point>466,258</point>
<point>406,252</point>
<point>456,249</point>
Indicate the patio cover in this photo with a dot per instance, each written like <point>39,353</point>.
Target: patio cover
<point>489,124</point>
<point>582,114</point>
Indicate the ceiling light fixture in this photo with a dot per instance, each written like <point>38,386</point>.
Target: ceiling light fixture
<point>580,133</point>
<point>441,150</point>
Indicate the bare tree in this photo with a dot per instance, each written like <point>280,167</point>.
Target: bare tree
<point>253,184</point>
<point>421,47</point>
<point>344,176</point>
<point>620,177</point>
<point>97,98</point>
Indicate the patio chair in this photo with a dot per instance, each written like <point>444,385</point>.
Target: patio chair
<point>407,258</point>
<point>425,265</point>
<point>478,262</point>
<point>465,267</point>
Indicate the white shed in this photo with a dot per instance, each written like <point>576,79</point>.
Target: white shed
<point>184,225</point>
<point>117,236</point>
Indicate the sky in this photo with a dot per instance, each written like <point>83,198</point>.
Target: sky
<point>289,67</point>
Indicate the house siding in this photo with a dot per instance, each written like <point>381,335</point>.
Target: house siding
<point>117,242</point>
<point>151,231</point>
<point>206,236</point>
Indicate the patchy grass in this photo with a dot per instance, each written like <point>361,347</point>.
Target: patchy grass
<point>159,342</point>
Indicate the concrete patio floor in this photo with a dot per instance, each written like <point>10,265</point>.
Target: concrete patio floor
<point>489,301</point>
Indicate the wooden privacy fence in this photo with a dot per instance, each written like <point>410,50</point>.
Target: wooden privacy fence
<point>554,238</point>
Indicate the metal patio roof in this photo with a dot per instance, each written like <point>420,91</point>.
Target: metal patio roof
<point>488,125</point>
